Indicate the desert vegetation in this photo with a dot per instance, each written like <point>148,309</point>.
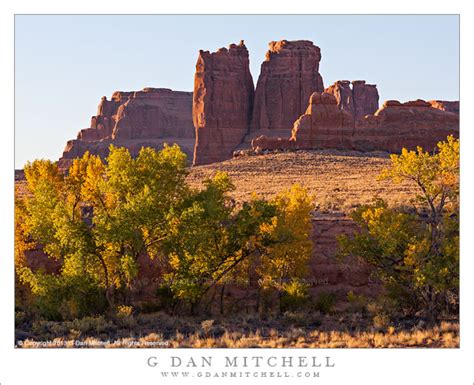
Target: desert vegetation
<point>209,240</point>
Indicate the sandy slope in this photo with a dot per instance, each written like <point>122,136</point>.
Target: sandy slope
<point>339,180</point>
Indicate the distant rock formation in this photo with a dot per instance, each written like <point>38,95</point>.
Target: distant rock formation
<point>359,100</point>
<point>323,118</point>
<point>288,76</point>
<point>222,102</point>
<point>147,118</point>
<point>394,126</point>
<point>445,105</point>
<point>225,114</point>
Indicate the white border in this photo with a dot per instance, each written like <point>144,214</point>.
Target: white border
<point>356,366</point>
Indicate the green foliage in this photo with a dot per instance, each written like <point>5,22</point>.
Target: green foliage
<point>415,254</point>
<point>325,302</point>
<point>60,297</point>
<point>97,221</point>
<point>210,238</point>
<point>295,295</point>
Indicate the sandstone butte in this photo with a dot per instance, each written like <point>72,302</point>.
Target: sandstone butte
<point>359,100</point>
<point>225,113</point>
<point>222,102</point>
<point>146,118</point>
<point>329,125</point>
<point>288,76</point>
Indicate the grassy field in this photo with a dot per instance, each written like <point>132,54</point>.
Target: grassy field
<point>287,331</point>
<point>339,180</point>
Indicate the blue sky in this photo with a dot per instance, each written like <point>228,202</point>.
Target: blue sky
<point>64,64</point>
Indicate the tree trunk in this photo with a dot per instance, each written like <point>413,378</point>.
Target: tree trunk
<point>222,299</point>
<point>257,305</point>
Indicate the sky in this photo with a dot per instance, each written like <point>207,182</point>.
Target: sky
<point>65,64</point>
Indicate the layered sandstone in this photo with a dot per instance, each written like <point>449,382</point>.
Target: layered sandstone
<point>357,97</point>
<point>147,118</point>
<point>289,75</point>
<point>222,102</point>
<point>394,126</point>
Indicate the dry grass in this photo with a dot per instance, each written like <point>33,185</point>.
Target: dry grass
<point>446,335</point>
<point>339,180</point>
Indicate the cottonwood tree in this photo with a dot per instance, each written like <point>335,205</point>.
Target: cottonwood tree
<point>417,254</point>
<point>99,218</point>
<point>288,245</point>
<point>210,239</point>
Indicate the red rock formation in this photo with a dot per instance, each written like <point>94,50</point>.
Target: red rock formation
<point>265,142</point>
<point>361,99</point>
<point>394,126</point>
<point>328,274</point>
<point>391,128</point>
<point>342,91</point>
<point>154,113</point>
<point>147,118</point>
<point>222,102</point>
<point>289,75</point>
<point>366,98</point>
<point>445,105</point>
<point>322,118</point>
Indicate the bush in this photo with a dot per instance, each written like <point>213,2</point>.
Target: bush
<point>67,299</point>
<point>302,319</point>
<point>381,321</point>
<point>357,303</point>
<point>89,325</point>
<point>295,295</point>
<point>325,302</point>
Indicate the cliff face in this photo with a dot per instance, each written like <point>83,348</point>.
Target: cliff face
<point>289,75</point>
<point>394,126</point>
<point>222,102</point>
<point>357,97</point>
<point>327,124</point>
<point>150,117</point>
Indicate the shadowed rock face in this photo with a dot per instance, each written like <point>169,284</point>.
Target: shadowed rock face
<point>222,102</point>
<point>361,99</point>
<point>147,118</point>
<point>289,75</point>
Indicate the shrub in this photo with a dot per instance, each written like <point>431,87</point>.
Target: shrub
<point>325,302</point>
<point>295,295</point>
<point>381,321</point>
<point>357,303</point>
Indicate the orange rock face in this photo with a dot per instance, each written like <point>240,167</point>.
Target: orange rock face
<point>150,117</point>
<point>222,102</point>
<point>391,128</point>
<point>289,75</point>
<point>445,105</point>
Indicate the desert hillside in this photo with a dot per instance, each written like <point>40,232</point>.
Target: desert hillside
<point>339,180</point>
